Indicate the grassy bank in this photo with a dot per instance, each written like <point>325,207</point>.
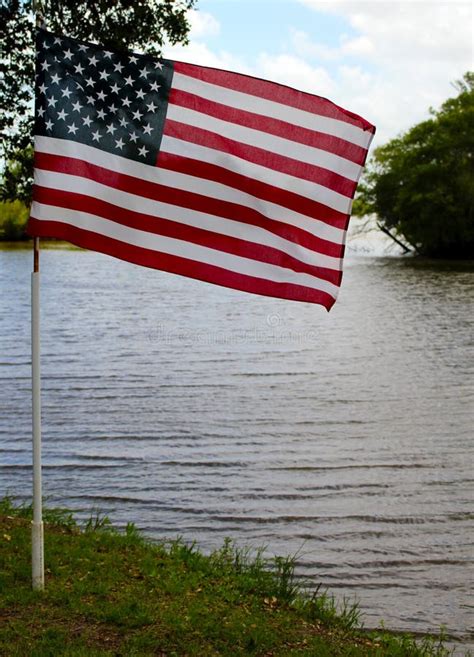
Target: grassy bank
<point>111,593</point>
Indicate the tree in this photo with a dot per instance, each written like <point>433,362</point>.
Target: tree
<point>122,24</point>
<point>421,184</point>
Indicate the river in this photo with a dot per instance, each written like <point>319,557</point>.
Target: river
<point>207,413</point>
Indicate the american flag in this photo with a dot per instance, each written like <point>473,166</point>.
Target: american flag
<point>196,171</point>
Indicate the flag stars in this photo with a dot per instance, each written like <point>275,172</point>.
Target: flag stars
<point>147,129</point>
<point>42,88</point>
<point>93,60</point>
<point>143,151</point>
<point>129,80</point>
<point>66,93</point>
<point>113,109</point>
<point>111,129</point>
<point>101,114</point>
<point>119,143</point>
<point>79,68</point>
<point>126,102</point>
<point>115,88</point>
<point>123,122</point>
<point>118,67</point>
<point>101,95</point>
<point>103,75</point>
<point>45,65</point>
<point>143,72</point>
<point>137,115</point>
<point>62,115</point>
<point>52,101</point>
<point>159,66</point>
<point>57,41</point>
<point>133,137</point>
<point>133,59</point>
<point>72,129</point>
<point>108,54</point>
<point>82,48</point>
<point>154,86</point>
<point>140,94</point>
<point>55,78</point>
<point>96,136</point>
<point>87,121</point>
<point>76,107</point>
<point>67,54</point>
<point>49,124</point>
<point>151,107</point>
<point>40,111</point>
<point>89,82</point>
<point>91,100</point>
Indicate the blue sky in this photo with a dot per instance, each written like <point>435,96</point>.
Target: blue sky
<point>388,61</point>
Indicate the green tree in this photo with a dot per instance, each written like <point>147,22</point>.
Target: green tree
<point>122,24</point>
<point>421,184</point>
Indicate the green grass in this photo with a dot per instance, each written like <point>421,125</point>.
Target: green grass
<point>111,593</point>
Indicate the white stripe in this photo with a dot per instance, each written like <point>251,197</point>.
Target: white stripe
<point>243,167</point>
<point>180,248</point>
<point>188,183</point>
<point>266,141</point>
<point>186,216</point>
<point>270,108</point>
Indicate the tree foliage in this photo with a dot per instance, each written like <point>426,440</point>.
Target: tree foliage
<point>122,24</point>
<point>421,185</point>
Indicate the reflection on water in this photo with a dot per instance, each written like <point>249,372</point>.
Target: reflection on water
<point>203,412</point>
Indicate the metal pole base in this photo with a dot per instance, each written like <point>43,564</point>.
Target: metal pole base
<point>37,555</point>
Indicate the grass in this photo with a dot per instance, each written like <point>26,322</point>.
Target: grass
<point>111,593</point>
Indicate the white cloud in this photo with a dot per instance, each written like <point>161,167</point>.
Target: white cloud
<point>202,24</point>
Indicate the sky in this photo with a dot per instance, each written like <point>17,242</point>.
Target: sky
<point>387,61</point>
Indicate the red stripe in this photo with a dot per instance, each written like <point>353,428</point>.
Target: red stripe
<point>255,188</point>
<point>197,202</point>
<point>296,133</point>
<point>177,230</point>
<point>278,93</point>
<point>176,264</point>
<point>255,155</point>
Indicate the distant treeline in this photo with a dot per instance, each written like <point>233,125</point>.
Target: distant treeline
<point>13,219</point>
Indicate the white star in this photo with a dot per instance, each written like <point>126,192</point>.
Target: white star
<point>143,72</point>
<point>111,129</point>
<point>93,60</point>
<point>42,88</point>
<point>101,95</point>
<point>67,54</point>
<point>115,88</point>
<point>79,85</point>
<point>40,111</point>
<point>120,144</point>
<point>55,78</point>
<point>72,128</point>
<point>90,100</point>
<point>57,41</point>
<point>62,115</point>
<point>96,136</point>
<point>66,93</point>
<point>113,109</point>
<point>87,121</point>
<point>129,80</point>
<point>79,69</point>
<point>126,102</point>
<point>103,75</point>
<point>123,122</point>
<point>154,86</point>
<point>133,136</point>
<point>118,67</point>
<point>147,129</point>
<point>152,107</point>
<point>52,101</point>
<point>101,114</point>
<point>76,107</point>
<point>45,65</point>
<point>133,59</point>
<point>107,53</point>
<point>159,65</point>
<point>49,125</point>
<point>140,94</point>
<point>143,151</point>
<point>89,82</point>
<point>137,115</point>
<point>82,48</point>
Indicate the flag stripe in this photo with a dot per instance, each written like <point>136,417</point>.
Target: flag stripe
<point>318,140</point>
<point>179,230</point>
<point>181,248</point>
<point>275,101</point>
<point>235,164</point>
<point>186,215</point>
<point>178,265</point>
<point>213,182</point>
<point>240,134</point>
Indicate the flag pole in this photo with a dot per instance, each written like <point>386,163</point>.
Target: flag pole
<point>37,532</point>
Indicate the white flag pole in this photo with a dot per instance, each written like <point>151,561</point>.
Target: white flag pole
<point>37,535</point>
